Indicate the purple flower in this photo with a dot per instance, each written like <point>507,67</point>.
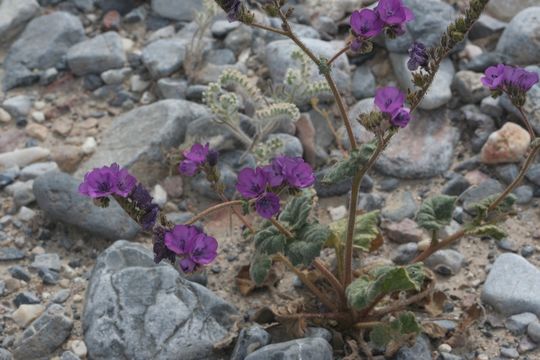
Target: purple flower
<point>161,251</point>
<point>188,168</point>
<point>393,12</point>
<point>297,172</point>
<point>267,205</point>
<point>401,117</point>
<point>195,158</point>
<point>148,220</point>
<point>251,183</point>
<point>197,153</point>
<point>193,246</point>
<point>366,23</point>
<point>519,78</point>
<point>494,77</point>
<point>141,197</point>
<point>212,157</point>
<point>389,99</point>
<point>106,181</point>
<point>273,173</point>
<point>418,56</point>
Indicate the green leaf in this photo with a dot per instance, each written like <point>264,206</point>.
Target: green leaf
<point>384,280</point>
<point>436,212</point>
<point>260,267</point>
<point>365,233</point>
<point>296,212</point>
<point>308,244</point>
<point>480,208</point>
<point>348,167</point>
<point>488,230</point>
<point>395,331</point>
<point>269,241</point>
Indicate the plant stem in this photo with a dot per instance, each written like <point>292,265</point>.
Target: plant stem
<point>527,123</point>
<point>366,325</point>
<point>338,54</point>
<point>237,213</point>
<point>314,289</point>
<point>212,209</point>
<point>281,228</point>
<point>336,285</point>
<point>269,28</point>
<point>439,245</point>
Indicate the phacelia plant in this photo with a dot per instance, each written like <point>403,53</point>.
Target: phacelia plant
<point>365,302</point>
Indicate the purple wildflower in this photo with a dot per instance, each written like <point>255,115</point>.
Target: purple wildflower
<point>251,182</point>
<point>188,168</point>
<point>143,200</point>
<point>161,251</point>
<point>267,205</point>
<point>297,172</point>
<point>195,158</point>
<point>274,174</point>
<point>366,23</point>
<point>212,157</point>
<point>494,77</point>
<point>401,117</point>
<point>389,99</point>
<point>233,8</point>
<point>106,181</point>
<point>394,13</point>
<point>418,56</point>
<point>193,246</point>
<point>519,78</point>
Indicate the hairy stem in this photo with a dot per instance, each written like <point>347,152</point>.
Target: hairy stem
<point>336,285</point>
<point>269,28</point>
<point>212,209</point>
<point>439,245</point>
<point>237,213</point>
<point>338,54</point>
<point>527,123</point>
<point>281,228</point>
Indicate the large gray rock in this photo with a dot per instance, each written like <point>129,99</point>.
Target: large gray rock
<point>137,139</point>
<point>138,310</point>
<point>521,38</point>
<point>425,148</point>
<point>57,194</point>
<point>307,348</point>
<point>432,17</point>
<point>41,46</point>
<point>506,10</point>
<point>96,55</point>
<point>13,16</point>
<point>513,286</point>
<point>439,92</point>
<point>122,6</point>
<point>44,335</point>
<point>532,103</point>
<point>184,10</point>
<point>164,57</point>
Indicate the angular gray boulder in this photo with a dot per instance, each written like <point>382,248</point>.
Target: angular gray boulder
<point>58,196</point>
<point>14,14</point>
<point>184,10</point>
<point>521,38</point>
<point>137,139</point>
<point>138,310</point>
<point>96,55</point>
<point>307,348</point>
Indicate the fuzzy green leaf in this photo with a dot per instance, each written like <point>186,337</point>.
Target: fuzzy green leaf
<point>365,233</point>
<point>395,331</point>
<point>269,241</point>
<point>308,245</point>
<point>480,208</point>
<point>348,167</point>
<point>260,267</point>
<point>296,212</point>
<point>488,230</point>
<point>436,212</point>
<point>384,280</point>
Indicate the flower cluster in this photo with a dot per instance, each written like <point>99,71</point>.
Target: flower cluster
<point>233,8</point>
<point>193,247</point>
<point>196,158</point>
<point>506,78</point>
<point>100,183</point>
<point>389,15</point>
<point>418,56</point>
<point>262,183</point>
<point>390,101</point>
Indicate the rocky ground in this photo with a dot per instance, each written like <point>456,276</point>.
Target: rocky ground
<point>89,82</point>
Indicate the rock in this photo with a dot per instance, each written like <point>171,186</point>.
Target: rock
<point>468,86</point>
<point>477,193</point>
<point>250,340</point>
<point>370,202</point>
<point>23,157</point>
<point>184,10</point>
<point>26,298</point>
<point>122,6</point>
<point>439,92</point>
<point>405,231</point>
<point>517,324</point>
<point>172,88</point>
<point>164,57</point>
<point>403,206</point>
<point>5,117</point>
<point>137,84</point>
<point>57,194</point>
<point>14,14</point>
<point>510,353</point>
<point>506,10</point>
<point>27,313</point>
<point>421,350</point>
<point>44,335</point>
<point>307,348</point>
<point>363,83</point>
<point>486,26</point>
<point>318,332</point>
<point>290,145</point>
<point>5,355</point>
<point>89,146</point>
<point>524,194</point>
<point>507,172</point>
<point>18,106</point>
<point>513,286</point>
<point>37,131</point>
<point>456,186</point>
<point>79,348</point>
<point>533,330</point>
<point>47,261</point>
<point>446,262</point>
<point>432,17</point>
<point>220,28</point>
<point>96,55</point>
<point>521,39</point>
<point>19,273</point>
<point>136,139</point>
<point>220,57</point>
<point>26,214</point>
<point>160,195</point>
<point>423,149</point>
<point>405,253</point>
<point>21,192</point>
<point>68,355</point>
<point>61,296</point>
<point>10,254</point>
<point>239,39</point>
<point>42,45</point>
<point>115,76</point>
<point>507,145</point>
<point>137,309</point>
<point>32,171</point>
<point>67,157</point>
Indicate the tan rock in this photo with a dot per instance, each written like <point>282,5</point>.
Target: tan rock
<point>4,116</point>
<point>62,127</point>
<point>23,157</point>
<point>79,348</point>
<point>67,157</point>
<point>37,131</point>
<point>27,313</point>
<point>507,145</point>
<point>405,231</point>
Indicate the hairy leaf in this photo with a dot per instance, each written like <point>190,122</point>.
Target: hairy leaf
<point>436,212</point>
<point>488,230</point>
<point>296,212</point>
<point>348,167</point>
<point>385,280</point>
<point>308,245</point>
<point>366,231</point>
<point>480,208</point>
<point>260,268</point>
<point>269,241</point>
<point>395,331</point>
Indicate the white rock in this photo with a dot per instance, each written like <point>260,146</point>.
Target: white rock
<point>23,157</point>
<point>38,116</point>
<point>4,116</point>
<point>26,313</point>
<point>39,105</point>
<point>79,348</point>
<point>138,84</point>
<point>26,214</point>
<point>89,146</point>
<point>160,195</point>
<point>337,213</point>
<point>34,170</point>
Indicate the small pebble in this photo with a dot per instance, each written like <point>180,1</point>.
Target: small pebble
<point>445,348</point>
